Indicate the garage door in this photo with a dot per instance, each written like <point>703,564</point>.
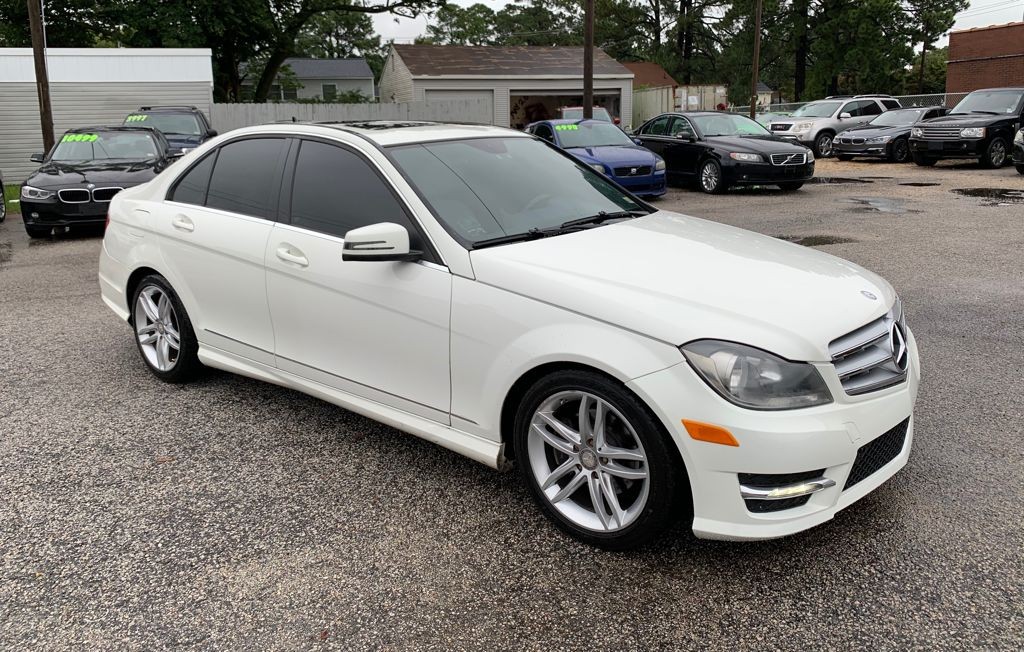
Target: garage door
<point>482,112</point>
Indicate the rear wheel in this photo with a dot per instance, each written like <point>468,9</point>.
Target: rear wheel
<point>924,161</point>
<point>710,178</point>
<point>791,186</point>
<point>823,145</point>
<point>163,331</point>
<point>995,154</point>
<point>38,231</point>
<point>596,460</point>
<point>899,151</point>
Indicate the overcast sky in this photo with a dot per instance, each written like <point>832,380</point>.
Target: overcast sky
<point>979,14</point>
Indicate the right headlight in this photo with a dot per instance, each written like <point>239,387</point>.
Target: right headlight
<point>972,132</point>
<point>597,167</point>
<point>917,132</point>
<point>28,192</point>
<point>756,379</point>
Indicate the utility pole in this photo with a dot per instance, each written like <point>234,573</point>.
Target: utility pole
<point>757,62</point>
<point>588,59</point>
<point>35,21</point>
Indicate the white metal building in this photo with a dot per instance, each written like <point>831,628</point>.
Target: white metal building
<point>523,84</point>
<point>92,86</point>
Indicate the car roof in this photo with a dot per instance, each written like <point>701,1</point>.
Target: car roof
<point>87,130</point>
<point>167,109</point>
<point>571,121</point>
<point>391,132</point>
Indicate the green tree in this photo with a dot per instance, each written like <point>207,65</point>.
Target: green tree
<point>340,35</point>
<point>455,25</point>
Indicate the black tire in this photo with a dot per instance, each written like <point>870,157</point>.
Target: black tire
<point>38,231</point>
<point>790,186</point>
<point>668,487</point>
<point>823,144</point>
<point>3,203</point>
<point>924,161</point>
<point>1020,168</point>
<point>186,365</point>
<point>712,186</point>
<point>899,151</point>
<point>996,154</point>
<point>844,157</point>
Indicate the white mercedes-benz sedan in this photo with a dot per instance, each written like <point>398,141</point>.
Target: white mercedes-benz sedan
<point>476,287</point>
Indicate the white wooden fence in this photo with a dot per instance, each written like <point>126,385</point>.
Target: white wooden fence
<point>226,117</point>
<point>649,102</point>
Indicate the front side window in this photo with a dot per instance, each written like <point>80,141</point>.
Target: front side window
<point>245,178</point>
<point>657,127</point>
<point>106,145</point>
<point>681,127</point>
<point>335,190</point>
<point>591,134</point>
<point>816,110</point>
<point>490,187</point>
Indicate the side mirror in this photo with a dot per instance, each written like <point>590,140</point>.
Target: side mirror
<point>174,154</point>
<point>637,140</point>
<point>37,158</point>
<point>210,133</point>
<point>383,241</point>
<point>690,138</point>
<point>844,115</point>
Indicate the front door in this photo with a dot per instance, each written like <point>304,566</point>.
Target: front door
<point>375,329</point>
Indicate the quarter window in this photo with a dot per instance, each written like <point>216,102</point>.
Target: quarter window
<point>658,126</point>
<point>191,188</point>
<point>335,190</point>
<point>245,179</point>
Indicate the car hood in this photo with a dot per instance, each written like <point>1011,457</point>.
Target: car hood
<point>615,155</point>
<point>677,278</point>
<point>96,172</point>
<point>968,120</point>
<point>871,131</point>
<point>758,144</point>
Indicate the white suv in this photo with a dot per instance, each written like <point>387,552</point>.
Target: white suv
<point>476,287</point>
<point>816,124</point>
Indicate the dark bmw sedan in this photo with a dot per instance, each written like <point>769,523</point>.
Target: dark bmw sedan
<point>885,137</point>
<point>83,172</point>
<point>719,150</point>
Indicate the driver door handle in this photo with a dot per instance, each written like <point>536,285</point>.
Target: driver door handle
<point>183,223</point>
<point>290,254</point>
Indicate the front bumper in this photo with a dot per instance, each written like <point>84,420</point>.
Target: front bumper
<point>766,173</point>
<point>953,148</point>
<point>56,213</point>
<point>823,438</point>
<point>1018,154</point>
<point>802,137</point>
<point>880,150</point>
<point>649,185</point>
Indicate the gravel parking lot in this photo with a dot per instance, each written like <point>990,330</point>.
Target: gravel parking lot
<point>231,514</point>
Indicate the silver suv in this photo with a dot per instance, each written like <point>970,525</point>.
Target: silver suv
<point>816,123</point>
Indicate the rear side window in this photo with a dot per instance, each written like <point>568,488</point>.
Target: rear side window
<point>191,188</point>
<point>890,104</point>
<point>871,108</point>
<point>245,179</point>
<point>335,190</point>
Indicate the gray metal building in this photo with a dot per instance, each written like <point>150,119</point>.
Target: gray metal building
<point>92,86</point>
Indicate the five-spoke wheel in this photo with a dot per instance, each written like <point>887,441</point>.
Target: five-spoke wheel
<point>163,331</point>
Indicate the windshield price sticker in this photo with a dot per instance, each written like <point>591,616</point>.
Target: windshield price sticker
<point>79,138</point>
<point>136,118</point>
<point>567,127</point>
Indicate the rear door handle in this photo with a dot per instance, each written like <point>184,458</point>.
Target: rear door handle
<point>183,223</point>
<point>290,254</point>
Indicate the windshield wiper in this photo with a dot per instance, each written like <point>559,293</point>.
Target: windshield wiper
<point>603,216</point>
<point>532,234</point>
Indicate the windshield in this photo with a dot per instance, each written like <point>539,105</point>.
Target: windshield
<point>176,124</point>
<point>576,113</point>
<point>724,124</point>
<point>998,102</point>
<point>816,110</point>
<point>900,118</point>
<point>491,187</point>
<point>102,145</point>
<point>591,134</point>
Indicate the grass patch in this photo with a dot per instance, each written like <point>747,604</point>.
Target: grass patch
<point>11,191</point>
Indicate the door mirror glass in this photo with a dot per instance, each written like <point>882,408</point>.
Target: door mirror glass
<point>383,241</point>
<point>37,158</point>
<point>844,115</point>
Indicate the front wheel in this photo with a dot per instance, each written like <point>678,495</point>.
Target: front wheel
<point>823,145</point>
<point>596,461</point>
<point>924,161</point>
<point>899,151</point>
<point>710,178</point>
<point>995,154</point>
<point>163,331</point>
<point>791,186</point>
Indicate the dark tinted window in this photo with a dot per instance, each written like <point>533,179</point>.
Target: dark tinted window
<point>245,178</point>
<point>335,191</point>
<point>891,104</point>
<point>545,132</point>
<point>870,108</point>
<point>191,188</point>
<point>681,126</point>
<point>657,127</point>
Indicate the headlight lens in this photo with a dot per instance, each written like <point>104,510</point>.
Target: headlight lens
<point>756,379</point>
<point>660,165</point>
<point>916,132</point>
<point>972,132</point>
<point>597,167</point>
<point>878,139</point>
<point>28,192</point>
<point>810,155</point>
<point>803,126</point>
<point>746,156</point>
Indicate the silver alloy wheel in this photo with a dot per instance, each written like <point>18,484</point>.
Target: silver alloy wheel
<point>825,145</point>
<point>588,461</point>
<point>997,155</point>
<point>156,327</point>
<point>709,176</point>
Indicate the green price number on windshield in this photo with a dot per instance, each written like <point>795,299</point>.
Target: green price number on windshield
<point>79,138</point>
<point>136,118</point>
<point>567,127</point>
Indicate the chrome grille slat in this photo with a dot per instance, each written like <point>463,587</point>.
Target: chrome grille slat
<point>940,133</point>
<point>872,358</point>
<point>789,159</point>
<point>863,358</point>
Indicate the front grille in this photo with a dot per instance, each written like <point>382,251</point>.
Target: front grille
<point>637,171</point>
<point>940,133</point>
<point>771,480</point>
<point>73,195</point>
<point>877,453</point>
<point>798,158</point>
<point>875,355</point>
<point>780,126</point>
<point>105,194</point>
<point>851,141</point>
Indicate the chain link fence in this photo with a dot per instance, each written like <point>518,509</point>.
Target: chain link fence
<point>907,101</point>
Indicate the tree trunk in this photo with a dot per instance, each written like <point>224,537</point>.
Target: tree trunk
<point>920,75</point>
<point>277,57</point>
<point>684,39</point>
<point>656,8</point>
<point>800,11</point>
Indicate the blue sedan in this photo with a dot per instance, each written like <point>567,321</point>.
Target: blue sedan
<point>605,147</point>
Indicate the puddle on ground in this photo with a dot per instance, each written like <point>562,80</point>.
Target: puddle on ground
<point>920,184</point>
<point>874,177</point>
<point>837,180</point>
<point>815,240</point>
<point>996,196</point>
<point>879,205</point>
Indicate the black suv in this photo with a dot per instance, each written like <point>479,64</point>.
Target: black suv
<point>184,127</point>
<point>981,126</point>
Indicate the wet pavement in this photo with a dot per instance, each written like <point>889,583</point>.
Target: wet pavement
<point>231,514</point>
